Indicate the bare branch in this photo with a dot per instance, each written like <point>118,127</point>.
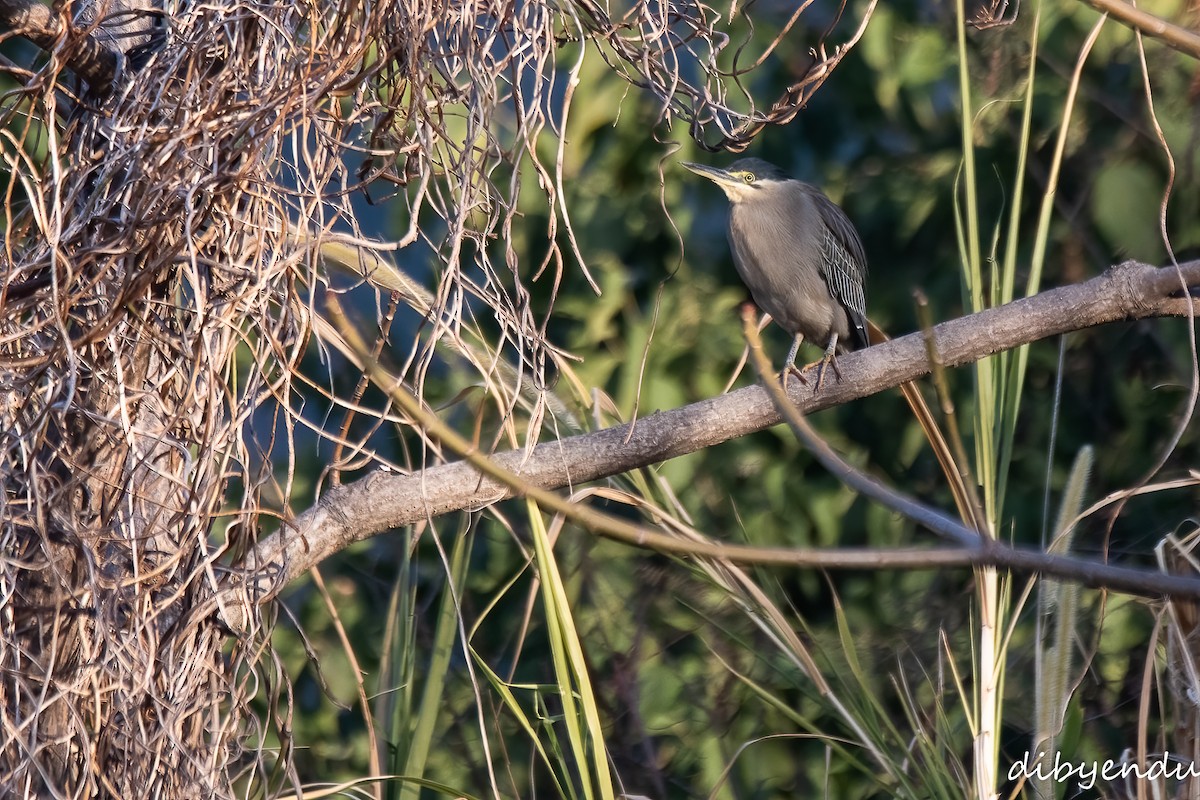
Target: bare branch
<point>383,501</point>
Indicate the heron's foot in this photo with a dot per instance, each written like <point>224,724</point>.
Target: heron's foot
<point>792,369</point>
<point>828,360</point>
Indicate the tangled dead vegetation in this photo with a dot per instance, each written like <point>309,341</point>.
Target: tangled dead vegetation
<point>163,276</point>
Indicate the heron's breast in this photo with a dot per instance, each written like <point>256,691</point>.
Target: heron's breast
<point>779,260</point>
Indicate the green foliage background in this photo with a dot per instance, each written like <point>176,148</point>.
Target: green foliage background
<point>694,698</point>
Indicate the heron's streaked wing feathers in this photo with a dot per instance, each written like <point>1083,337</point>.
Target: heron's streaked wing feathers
<point>845,266</point>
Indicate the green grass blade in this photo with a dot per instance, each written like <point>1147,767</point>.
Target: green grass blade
<point>510,702</point>
<point>1016,376</point>
<point>1058,605</point>
<point>582,720</point>
<point>432,699</point>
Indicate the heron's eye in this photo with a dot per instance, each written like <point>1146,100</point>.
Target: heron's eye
<point>748,177</point>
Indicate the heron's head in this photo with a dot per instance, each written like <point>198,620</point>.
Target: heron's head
<point>745,180</point>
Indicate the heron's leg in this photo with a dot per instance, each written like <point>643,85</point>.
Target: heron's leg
<point>826,360</point>
<point>790,365</point>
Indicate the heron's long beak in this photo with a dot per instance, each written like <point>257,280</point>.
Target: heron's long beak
<point>718,176</point>
<point>734,187</point>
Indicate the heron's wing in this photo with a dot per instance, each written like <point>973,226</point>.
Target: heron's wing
<point>845,266</point>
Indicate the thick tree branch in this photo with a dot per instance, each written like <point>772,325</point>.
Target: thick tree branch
<point>384,501</point>
<point>87,58</point>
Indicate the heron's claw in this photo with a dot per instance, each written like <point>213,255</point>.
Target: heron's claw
<point>821,363</point>
<point>790,369</point>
